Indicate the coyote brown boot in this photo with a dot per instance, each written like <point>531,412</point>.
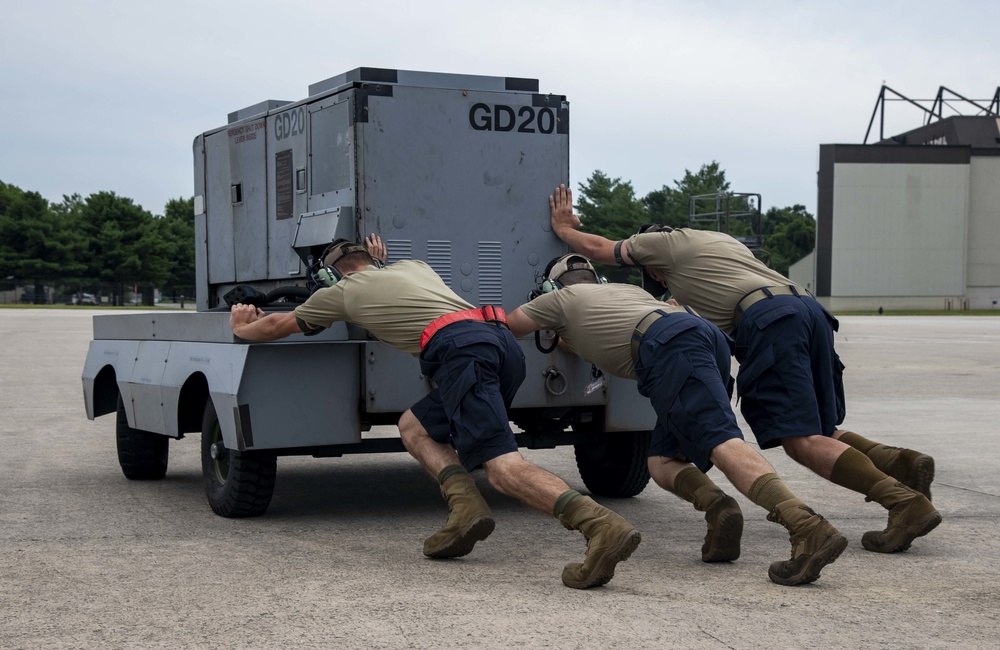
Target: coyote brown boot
<point>815,543</point>
<point>725,524</point>
<point>610,540</point>
<point>911,468</point>
<point>911,515</point>
<point>469,520</point>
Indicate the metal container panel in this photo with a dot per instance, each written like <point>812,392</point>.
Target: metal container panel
<point>248,169</point>
<point>219,243</point>
<point>461,178</point>
<point>332,175</point>
<point>120,355</point>
<point>146,382</point>
<point>287,174</point>
<point>297,396</point>
<point>627,410</point>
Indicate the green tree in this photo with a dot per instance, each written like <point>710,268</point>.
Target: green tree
<point>177,229</point>
<point>608,207</point>
<point>36,243</point>
<point>671,206</point>
<point>789,235</point>
<point>125,246</point>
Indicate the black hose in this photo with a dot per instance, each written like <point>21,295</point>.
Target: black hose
<point>287,292</point>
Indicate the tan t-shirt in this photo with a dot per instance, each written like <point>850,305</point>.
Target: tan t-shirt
<point>395,304</point>
<point>597,321</point>
<point>706,270</point>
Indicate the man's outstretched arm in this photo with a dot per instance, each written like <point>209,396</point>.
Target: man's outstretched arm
<point>565,223</point>
<point>250,323</point>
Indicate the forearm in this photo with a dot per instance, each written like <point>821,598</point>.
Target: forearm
<point>271,327</point>
<point>595,247</point>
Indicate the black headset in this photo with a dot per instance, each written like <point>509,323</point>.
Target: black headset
<point>327,275</point>
<point>548,285</point>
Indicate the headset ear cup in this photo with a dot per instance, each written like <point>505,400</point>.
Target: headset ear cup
<point>549,286</point>
<point>328,276</point>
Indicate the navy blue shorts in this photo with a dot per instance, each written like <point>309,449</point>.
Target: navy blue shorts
<point>791,381</point>
<point>475,368</point>
<point>683,369</point>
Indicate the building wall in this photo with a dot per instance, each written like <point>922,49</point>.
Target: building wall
<point>907,227</point>
<point>984,233</point>
<point>899,229</point>
<point>803,272</point>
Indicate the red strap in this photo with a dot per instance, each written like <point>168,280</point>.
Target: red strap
<point>489,313</point>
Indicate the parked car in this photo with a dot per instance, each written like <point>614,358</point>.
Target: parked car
<point>84,299</point>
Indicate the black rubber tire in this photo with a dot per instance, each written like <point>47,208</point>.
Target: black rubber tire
<point>237,483</point>
<point>142,455</point>
<point>614,464</point>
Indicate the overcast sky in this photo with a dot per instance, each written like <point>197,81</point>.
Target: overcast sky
<point>106,95</point>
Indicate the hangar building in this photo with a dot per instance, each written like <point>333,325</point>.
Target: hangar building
<point>912,222</point>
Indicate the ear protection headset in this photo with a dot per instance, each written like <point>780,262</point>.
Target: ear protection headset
<point>548,286</point>
<point>561,265</point>
<point>326,274</point>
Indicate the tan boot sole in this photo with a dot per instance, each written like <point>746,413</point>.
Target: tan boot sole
<point>921,476</point>
<point>464,540</point>
<point>605,569</point>
<point>827,554</point>
<point>924,525</point>
<point>724,545</point>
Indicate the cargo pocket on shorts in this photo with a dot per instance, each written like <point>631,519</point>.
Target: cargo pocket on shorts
<point>763,393</point>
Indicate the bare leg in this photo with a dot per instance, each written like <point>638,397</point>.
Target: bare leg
<point>818,453</point>
<point>665,470</point>
<point>529,484</point>
<point>740,463</point>
<point>433,456</point>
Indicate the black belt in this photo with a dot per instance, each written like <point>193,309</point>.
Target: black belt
<point>757,295</point>
<point>644,324</point>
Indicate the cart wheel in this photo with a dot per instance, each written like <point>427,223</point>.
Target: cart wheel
<point>237,483</point>
<point>141,454</point>
<point>614,464</point>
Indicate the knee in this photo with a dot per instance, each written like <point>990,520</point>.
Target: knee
<point>796,447</point>
<point>499,470</point>
<point>410,429</point>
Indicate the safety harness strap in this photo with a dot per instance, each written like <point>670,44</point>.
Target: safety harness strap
<point>487,314</point>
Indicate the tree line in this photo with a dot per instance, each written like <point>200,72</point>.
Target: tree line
<point>104,244</point>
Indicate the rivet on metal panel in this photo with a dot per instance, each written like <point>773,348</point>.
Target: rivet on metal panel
<point>371,393</point>
<point>371,358</point>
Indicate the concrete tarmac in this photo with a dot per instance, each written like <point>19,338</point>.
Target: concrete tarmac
<point>92,560</point>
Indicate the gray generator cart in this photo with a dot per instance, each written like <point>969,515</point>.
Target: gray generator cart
<point>451,169</point>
